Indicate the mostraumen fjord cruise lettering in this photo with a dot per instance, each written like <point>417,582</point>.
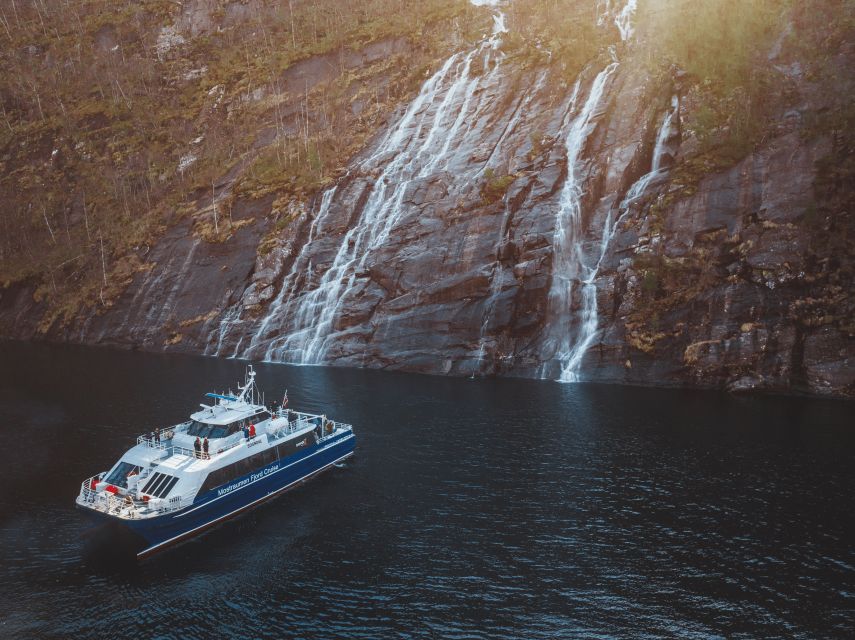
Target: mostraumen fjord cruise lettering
<point>246,481</point>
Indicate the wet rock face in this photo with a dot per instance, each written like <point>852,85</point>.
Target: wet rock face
<point>171,304</point>
<point>437,251</point>
<point>19,313</point>
<point>459,281</point>
<point>747,261</point>
<point>451,268</point>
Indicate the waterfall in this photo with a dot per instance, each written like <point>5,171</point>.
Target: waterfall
<point>421,143</point>
<point>567,239</point>
<point>230,318</point>
<point>664,134</point>
<point>569,265</point>
<point>300,266</point>
<point>623,20</point>
<point>589,319</point>
<point>604,10</point>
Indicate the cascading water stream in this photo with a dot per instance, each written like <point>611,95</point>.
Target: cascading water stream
<point>300,265</point>
<point>637,189</point>
<point>407,153</point>
<point>569,264</point>
<point>567,258</point>
<point>623,20</point>
<point>589,319</point>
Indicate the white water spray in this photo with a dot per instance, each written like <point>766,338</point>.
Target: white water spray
<point>588,317</point>
<point>569,266</point>
<point>623,20</point>
<point>567,248</point>
<point>422,142</point>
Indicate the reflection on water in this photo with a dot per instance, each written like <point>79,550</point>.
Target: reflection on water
<point>476,509</point>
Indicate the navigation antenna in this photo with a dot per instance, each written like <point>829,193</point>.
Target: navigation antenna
<point>249,385</point>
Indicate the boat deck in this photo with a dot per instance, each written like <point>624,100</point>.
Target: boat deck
<point>163,456</point>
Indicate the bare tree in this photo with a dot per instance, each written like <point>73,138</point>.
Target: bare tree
<point>44,213</point>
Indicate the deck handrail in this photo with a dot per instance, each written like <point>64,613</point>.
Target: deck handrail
<point>116,502</point>
<point>305,420</point>
<point>86,489</point>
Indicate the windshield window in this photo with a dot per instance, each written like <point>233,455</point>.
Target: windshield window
<point>119,476</point>
<point>203,430</point>
<point>197,428</point>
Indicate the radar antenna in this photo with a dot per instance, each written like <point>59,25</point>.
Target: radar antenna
<point>249,386</point>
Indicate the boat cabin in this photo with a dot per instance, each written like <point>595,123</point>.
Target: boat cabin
<point>166,471</point>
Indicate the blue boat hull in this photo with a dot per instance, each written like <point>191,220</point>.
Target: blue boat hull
<point>237,496</point>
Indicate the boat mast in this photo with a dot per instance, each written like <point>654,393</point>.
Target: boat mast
<point>249,385</point>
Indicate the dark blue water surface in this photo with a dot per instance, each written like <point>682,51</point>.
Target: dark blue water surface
<point>473,509</point>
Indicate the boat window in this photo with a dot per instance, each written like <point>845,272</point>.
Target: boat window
<point>236,426</point>
<point>151,481</point>
<point>164,490</point>
<point>210,431</point>
<point>238,469</point>
<point>292,446</point>
<point>119,476</point>
<point>218,477</point>
<point>218,431</point>
<point>154,489</point>
<point>267,457</point>
<point>197,428</point>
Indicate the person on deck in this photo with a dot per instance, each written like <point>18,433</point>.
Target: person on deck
<point>157,436</point>
<point>245,430</point>
<point>197,447</point>
<point>251,431</point>
<point>205,449</point>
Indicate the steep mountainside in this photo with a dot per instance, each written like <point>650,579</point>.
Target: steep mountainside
<point>641,192</point>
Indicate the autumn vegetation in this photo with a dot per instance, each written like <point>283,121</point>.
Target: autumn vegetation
<point>119,118</point>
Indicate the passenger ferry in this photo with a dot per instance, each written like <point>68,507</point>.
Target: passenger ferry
<point>232,455</point>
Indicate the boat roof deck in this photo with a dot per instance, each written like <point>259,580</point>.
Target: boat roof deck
<point>220,414</point>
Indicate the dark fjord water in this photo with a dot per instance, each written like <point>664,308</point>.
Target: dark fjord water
<point>473,509</point>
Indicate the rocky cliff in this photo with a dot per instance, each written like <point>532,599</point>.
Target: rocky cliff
<point>519,215</point>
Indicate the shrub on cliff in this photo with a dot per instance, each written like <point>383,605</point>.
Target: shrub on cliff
<point>722,46</point>
<point>118,118</point>
<point>494,187</point>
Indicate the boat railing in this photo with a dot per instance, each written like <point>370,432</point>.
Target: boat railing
<point>110,502</point>
<point>148,440</point>
<point>336,427</point>
<point>171,450</point>
<point>152,443</point>
<point>291,427</point>
<point>126,504</point>
<point>86,490</point>
<point>307,421</point>
<point>168,449</point>
<point>300,422</point>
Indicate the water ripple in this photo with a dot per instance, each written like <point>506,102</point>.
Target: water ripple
<point>473,509</point>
